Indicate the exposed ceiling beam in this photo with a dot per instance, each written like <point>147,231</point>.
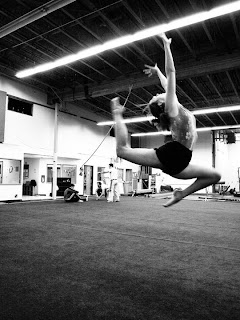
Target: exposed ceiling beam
<point>214,87</point>
<point>235,27</point>
<point>232,84</point>
<point>204,67</point>
<point>162,7</point>
<point>78,42</point>
<point>125,40</point>
<point>210,38</point>
<point>200,92</point>
<point>42,51</point>
<point>118,32</point>
<point>67,51</point>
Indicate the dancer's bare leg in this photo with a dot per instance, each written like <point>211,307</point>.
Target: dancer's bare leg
<point>141,156</point>
<point>205,177</point>
<point>120,128</point>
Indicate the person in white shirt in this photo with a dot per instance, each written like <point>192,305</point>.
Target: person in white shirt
<point>113,194</point>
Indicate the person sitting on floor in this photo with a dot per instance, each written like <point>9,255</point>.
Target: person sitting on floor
<point>71,195</point>
<point>99,191</point>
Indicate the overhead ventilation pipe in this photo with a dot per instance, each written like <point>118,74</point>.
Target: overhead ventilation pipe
<point>33,15</point>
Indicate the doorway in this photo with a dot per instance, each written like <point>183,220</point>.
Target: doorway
<point>239,179</point>
<point>1,168</point>
<point>88,180</point>
<point>129,179</point>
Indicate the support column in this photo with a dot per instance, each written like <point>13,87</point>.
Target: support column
<point>3,107</point>
<point>213,156</point>
<point>55,153</point>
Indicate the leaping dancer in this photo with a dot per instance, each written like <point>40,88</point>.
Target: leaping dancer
<point>173,157</point>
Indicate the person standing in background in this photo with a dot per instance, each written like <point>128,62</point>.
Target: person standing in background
<point>113,194</point>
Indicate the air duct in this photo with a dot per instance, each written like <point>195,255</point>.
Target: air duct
<point>33,15</point>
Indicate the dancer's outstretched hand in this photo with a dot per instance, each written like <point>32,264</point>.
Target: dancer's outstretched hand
<point>165,38</point>
<point>150,70</point>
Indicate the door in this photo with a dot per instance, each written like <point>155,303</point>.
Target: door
<point>1,169</point>
<point>88,180</point>
<point>239,178</point>
<point>129,178</point>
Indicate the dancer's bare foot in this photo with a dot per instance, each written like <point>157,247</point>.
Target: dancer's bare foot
<point>116,107</point>
<point>176,197</point>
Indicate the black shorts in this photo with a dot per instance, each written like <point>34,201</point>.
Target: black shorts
<point>174,157</point>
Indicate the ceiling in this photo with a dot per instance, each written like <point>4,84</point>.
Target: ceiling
<point>206,55</point>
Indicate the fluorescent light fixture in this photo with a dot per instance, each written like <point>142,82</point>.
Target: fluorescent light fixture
<point>130,120</point>
<point>216,110</point>
<point>155,133</point>
<point>199,130</point>
<point>218,128</point>
<point>105,123</point>
<point>179,23</point>
<point>195,112</point>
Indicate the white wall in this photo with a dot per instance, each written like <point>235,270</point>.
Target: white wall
<point>79,138</point>
<point>11,191</point>
<point>228,162</point>
<point>34,133</point>
<point>20,90</point>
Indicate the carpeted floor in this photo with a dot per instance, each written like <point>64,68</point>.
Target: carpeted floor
<point>129,260</point>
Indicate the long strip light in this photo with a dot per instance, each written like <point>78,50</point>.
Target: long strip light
<point>216,110</point>
<point>165,133</point>
<point>195,112</point>
<point>176,24</point>
<point>129,120</point>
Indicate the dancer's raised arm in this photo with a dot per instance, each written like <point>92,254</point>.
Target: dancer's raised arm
<point>171,98</point>
<point>150,70</point>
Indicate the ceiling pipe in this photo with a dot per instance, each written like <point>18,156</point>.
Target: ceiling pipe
<point>33,16</point>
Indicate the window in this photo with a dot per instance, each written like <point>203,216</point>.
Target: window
<point>50,173</point>
<point>146,171</point>
<point>26,171</point>
<point>69,172</point>
<point>100,174</point>
<point>20,106</point>
<point>63,171</point>
<point>10,171</point>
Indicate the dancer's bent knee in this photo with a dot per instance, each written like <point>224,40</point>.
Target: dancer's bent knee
<point>122,151</point>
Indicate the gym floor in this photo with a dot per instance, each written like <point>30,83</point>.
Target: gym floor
<point>129,260</point>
